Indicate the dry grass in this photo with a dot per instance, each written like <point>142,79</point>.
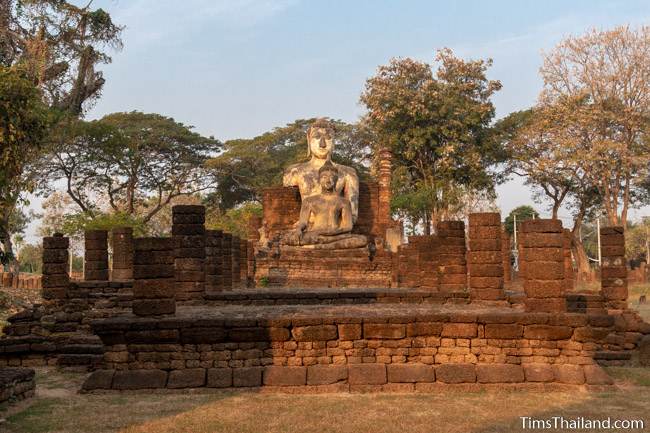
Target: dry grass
<point>57,408</point>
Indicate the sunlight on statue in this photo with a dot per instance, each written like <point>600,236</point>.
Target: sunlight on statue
<point>329,193</point>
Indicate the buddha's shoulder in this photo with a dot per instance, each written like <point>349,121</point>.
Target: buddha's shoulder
<point>346,170</point>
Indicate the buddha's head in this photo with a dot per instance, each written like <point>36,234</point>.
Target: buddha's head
<point>328,175</point>
<point>320,139</point>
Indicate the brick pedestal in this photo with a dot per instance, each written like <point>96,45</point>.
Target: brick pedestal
<point>55,267</point>
<point>506,246</point>
<point>235,248</point>
<point>188,232</point>
<point>226,261</point>
<point>122,239</point>
<point>153,277</point>
<point>243,263</point>
<point>569,274</point>
<point>452,262</point>
<point>213,260</point>
<point>542,263</point>
<point>613,271</point>
<point>485,259</point>
<point>96,255</point>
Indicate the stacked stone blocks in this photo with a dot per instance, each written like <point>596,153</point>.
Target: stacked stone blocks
<point>96,255</point>
<point>542,262</point>
<point>213,261</point>
<point>485,257</point>
<point>154,278</point>
<point>613,268</point>
<point>55,279</point>
<point>451,252</point>
<point>188,232</point>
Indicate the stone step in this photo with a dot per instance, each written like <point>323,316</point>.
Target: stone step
<point>607,355</point>
<point>82,349</point>
<point>79,359</point>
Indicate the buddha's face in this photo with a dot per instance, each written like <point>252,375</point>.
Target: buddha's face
<point>328,180</point>
<point>321,144</point>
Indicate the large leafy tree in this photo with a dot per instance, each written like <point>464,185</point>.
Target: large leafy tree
<point>599,85</point>
<point>23,126</point>
<point>437,126</point>
<point>246,166</point>
<point>136,163</point>
<point>60,45</point>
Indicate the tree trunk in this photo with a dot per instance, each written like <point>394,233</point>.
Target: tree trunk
<point>585,274</point>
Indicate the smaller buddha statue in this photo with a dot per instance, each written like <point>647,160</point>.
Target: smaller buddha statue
<point>326,219</point>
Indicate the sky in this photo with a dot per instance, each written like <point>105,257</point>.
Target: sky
<point>238,68</point>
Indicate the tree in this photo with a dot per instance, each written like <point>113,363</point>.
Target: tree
<point>59,45</point>
<point>437,127</point>
<point>234,220</point>
<point>137,163</point>
<point>523,213</point>
<point>602,80</point>
<point>23,126</point>
<point>248,165</point>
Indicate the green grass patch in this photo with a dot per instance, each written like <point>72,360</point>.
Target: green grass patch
<point>36,417</point>
<point>638,376</point>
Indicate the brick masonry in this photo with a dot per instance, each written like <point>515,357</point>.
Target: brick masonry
<point>122,242</point>
<point>613,270</point>
<point>96,255</point>
<point>485,258</point>
<point>188,232</point>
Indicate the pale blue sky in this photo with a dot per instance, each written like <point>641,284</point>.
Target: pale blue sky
<point>237,68</point>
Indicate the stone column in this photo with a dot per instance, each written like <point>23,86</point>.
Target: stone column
<point>213,260</point>
<point>485,257</point>
<point>243,263</point>
<point>236,268</point>
<point>96,255</point>
<point>153,277</point>
<point>385,167</point>
<point>122,238</point>
<point>505,255</point>
<point>55,280</point>
<point>188,232</point>
<point>542,263</point>
<point>613,269</point>
<point>569,274</point>
<point>226,263</point>
<point>452,261</point>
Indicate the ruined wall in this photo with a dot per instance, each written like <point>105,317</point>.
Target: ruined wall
<point>485,257</point>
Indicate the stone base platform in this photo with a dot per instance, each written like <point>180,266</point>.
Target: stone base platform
<point>299,267</point>
<point>307,296</point>
<point>16,384</point>
<point>371,347</point>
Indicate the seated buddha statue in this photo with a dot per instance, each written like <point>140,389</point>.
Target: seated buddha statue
<point>326,219</point>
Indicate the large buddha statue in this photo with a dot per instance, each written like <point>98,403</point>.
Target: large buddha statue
<point>329,194</point>
<point>304,175</point>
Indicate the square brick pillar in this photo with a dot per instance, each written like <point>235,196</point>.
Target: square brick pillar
<point>153,277</point>
<point>506,246</point>
<point>188,232</point>
<point>122,239</point>
<point>542,263</point>
<point>96,255</point>
<point>569,274</point>
<point>452,261</point>
<point>613,269</point>
<point>55,280</point>
<point>236,265</point>
<point>485,261</point>
<point>213,260</point>
<point>243,262</point>
<point>226,261</point>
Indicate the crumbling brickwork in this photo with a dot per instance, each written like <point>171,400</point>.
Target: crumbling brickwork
<point>96,255</point>
<point>188,232</point>
<point>506,254</point>
<point>213,261</point>
<point>485,261</point>
<point>452,260</point>
<point>613,268</point>
<point>226,261</point>
<point>154,278</point>
<point>542,261</point>
<point>55,266</point>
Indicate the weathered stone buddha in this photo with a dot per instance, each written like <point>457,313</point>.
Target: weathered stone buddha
<point>325,219</point>
<point>329,194</point>
<point>304,175</point>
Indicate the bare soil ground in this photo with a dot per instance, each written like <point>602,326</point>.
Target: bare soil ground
<point>58,407</point>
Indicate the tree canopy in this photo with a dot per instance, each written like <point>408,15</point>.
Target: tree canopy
<point>437,127</point>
